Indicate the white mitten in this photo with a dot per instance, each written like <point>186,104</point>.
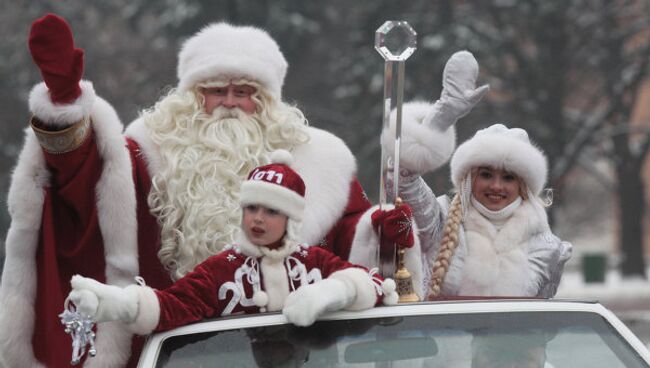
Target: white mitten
<point>104,302</point>
<point>459,92</point>
<point>304,305</point>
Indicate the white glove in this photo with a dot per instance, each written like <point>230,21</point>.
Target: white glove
<point>459,92</point>
<point>303,306</point>
<point>104,302</point>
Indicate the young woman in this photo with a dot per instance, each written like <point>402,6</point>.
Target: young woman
<point>493,237</point>
<point>496,240</point>
<point>266,270</point>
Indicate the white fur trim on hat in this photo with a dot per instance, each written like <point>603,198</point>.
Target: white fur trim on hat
<point>224,51</point>
<point>502,148</point>
<point>273,196</point>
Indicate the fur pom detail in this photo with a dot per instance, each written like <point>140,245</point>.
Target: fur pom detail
<point>261,299</point>
<point>390,292</point>
<point>281,157</point>
<point>388,286</point>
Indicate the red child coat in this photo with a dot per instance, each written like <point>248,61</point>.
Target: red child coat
<point>248,279</point>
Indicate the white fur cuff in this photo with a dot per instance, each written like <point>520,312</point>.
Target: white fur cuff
<point>360,281</point>
<point>365,244</point>
<point>148,311</point>
<point>423,148</point>
<point>61,115</point>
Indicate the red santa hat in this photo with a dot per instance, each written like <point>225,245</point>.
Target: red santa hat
<point>222,51</point>
<point>276,186</point>
<point>499,147</point>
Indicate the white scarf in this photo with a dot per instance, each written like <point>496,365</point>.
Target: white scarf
<point>497,218</point>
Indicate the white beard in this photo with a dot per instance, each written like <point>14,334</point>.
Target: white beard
<point>196,196</point>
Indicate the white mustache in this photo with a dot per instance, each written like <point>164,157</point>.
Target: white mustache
<point>221,113</point>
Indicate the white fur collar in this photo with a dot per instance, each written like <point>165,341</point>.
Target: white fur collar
<point>251,250</point>
<point>524,223</point>
<point>327,167</point>
<point>61,115</point>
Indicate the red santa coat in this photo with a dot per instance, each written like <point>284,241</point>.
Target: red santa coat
<point>86,212</point>
<point>234,281</point>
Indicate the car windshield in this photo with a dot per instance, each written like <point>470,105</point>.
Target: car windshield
<point>514,339</point>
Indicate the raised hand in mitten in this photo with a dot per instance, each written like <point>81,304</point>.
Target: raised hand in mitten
<point>60,63</point>
<point>104,302</point>
<point>459,92</point>
<point>396,228</point>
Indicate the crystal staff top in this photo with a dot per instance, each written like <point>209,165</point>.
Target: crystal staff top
<point>395,40</point>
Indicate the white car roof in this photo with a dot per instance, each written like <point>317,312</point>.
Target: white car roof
<point>448,307</point>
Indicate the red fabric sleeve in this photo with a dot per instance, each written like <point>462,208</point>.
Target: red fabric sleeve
<point>339,239</point>
<point>70,242</point>
<point>195,296</point>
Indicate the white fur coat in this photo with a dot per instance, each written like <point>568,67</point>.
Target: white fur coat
<point>496,262</point>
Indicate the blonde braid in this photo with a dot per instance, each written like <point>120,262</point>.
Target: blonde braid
<point>447,247</point>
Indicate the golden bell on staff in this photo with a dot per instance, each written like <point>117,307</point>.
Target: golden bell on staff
<point>404,281</point>
<point>403,278</point>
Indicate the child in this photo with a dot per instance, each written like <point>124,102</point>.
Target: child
<point>266,270</point>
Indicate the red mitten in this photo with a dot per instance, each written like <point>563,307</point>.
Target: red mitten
<point>396,227</point>
<point>53,51</point>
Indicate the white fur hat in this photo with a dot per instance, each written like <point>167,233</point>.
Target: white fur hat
<point>499,147</point>
<point>224,51</point>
